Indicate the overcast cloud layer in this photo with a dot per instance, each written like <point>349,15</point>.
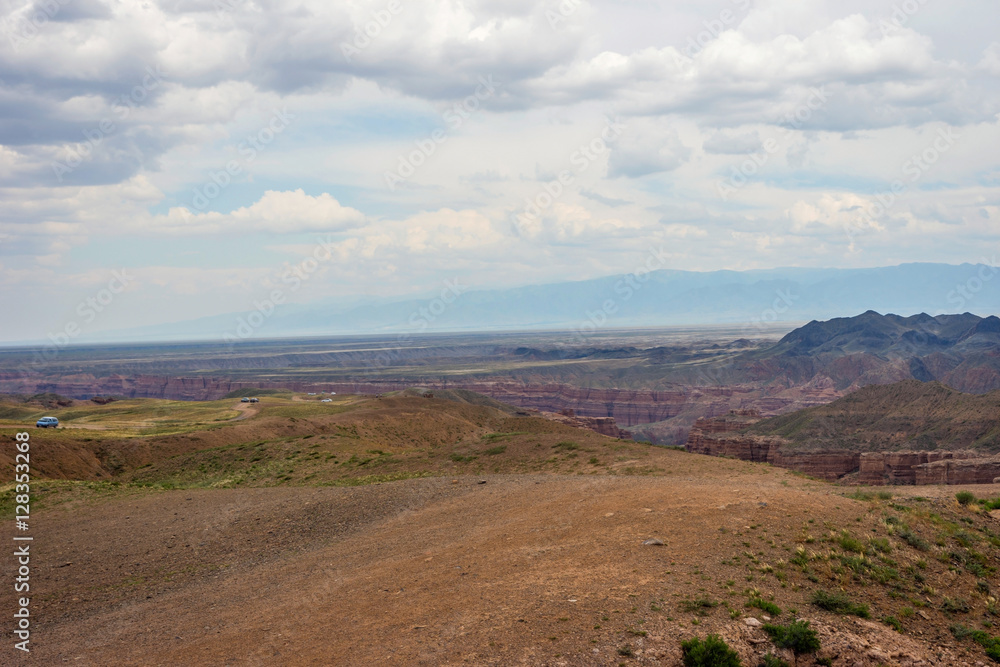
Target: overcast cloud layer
<point>208,147</point>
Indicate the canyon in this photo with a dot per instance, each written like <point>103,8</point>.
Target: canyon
<point>726,436</point>
<point>655,384</point>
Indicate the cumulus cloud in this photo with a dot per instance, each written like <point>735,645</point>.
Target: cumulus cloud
<point>732,143</point>
<point>646,147</point>
<point>94,152</point>
<point>275,212</point>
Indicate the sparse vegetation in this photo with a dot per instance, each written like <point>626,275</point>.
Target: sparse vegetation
<point>965,498</point>
<point>988,642</point>
<point>797,636</point>
<point>839,603</point>
<point>709,652</point>
<point>771,660</point>
<point>698,606</point>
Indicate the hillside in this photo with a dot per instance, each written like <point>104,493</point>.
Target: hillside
<point>905,415</point>
<point>962,351</point>
<point>430,531</point>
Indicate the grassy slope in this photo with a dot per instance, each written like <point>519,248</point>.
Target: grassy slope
<point>905,415</point>
<point>156,444</point>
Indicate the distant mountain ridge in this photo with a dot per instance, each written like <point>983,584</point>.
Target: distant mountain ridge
<point>893,335</point>
<point>846,353</point>
<point>660,298</point>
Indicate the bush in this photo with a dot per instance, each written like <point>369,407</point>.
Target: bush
<point>771,660</point>
<point>764,605</point>
<point>839,604</point>
<point>710,652</point>
<point>965,498</point>
<point>797,636</point>
<point>913,539</point>
<point>955,605</point>
<point>991,644</point>
<point>698,606</point>
<point>893,623</point>
<point>850,543</point>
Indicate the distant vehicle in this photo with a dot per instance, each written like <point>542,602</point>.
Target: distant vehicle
<point>245,399</point>
<point>327,400</point>
<point>47,422</point>
<point>255,400</point>
<point>312,393</point>
<point>333,393</point>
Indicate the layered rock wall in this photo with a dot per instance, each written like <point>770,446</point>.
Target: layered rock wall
<point>959,471</point>
<point>720,437</point>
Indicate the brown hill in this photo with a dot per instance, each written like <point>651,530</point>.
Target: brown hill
<point>275,537</point>
<point>904,415</point>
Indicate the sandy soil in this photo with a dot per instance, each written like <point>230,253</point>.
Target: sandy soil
<point>494,570</point>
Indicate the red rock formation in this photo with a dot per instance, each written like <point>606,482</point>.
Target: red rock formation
<point>901,467</point>
<point>603,425</point>
<point>682,405</point>
<point>959,471</point>
<point>719,437</point>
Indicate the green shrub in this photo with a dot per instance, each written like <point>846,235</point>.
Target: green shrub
<point>849,543</point>
<point>991,644</point>
<point>839,604</point>
<point>771,660</point>
<point>797,636</point>
<point>893,623</point>
<point>710,652</point>
<point>913,539</point>
<point>965,497</point>
<point>764,605</point>
<point>698,606</point>
<point>955,605</point>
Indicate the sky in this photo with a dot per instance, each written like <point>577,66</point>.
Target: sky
<point>176,159</point>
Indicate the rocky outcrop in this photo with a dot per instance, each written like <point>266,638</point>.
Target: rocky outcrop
<point>901,467</point>
<point>958,471</point>
<point>603,425</point>
<point>767,449</point>
<point>722,437</point>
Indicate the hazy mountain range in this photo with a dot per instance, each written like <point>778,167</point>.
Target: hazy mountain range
<point>659,298</point>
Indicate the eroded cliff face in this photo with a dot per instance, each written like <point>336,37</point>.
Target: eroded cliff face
<point>603,425</point>
<point>720,437</point>
<point>672,410</point>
